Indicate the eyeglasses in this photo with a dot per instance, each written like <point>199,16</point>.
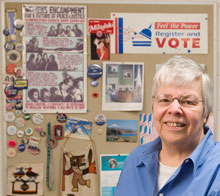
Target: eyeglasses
<point>164,100</point>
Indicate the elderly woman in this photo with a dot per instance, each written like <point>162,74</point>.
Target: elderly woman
<point>185,158</point>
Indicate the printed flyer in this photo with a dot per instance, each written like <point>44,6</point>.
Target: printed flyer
<point>55,58</point>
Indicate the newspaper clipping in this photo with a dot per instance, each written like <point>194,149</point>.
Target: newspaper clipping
<point>55,58</point>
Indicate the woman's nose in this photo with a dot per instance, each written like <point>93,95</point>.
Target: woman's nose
<point>175,107</point>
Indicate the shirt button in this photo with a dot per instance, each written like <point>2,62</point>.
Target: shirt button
<point>187,160</point>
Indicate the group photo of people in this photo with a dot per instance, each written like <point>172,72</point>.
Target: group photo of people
<point>68,90</point>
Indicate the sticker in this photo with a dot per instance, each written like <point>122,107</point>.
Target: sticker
<point>11,152</point>
<point>20,133</point>
<point>10,91</point>
<point>100,119</point>
<point>61,117</point>
<point>12,143</point>
<point>13,56</point>
<point>9,116</point>
<point>11,130</point>
<point>95,94</point>
<point>19,122</point>
<point>19,24</point>
<point>9,46</point>
<point>21,147</point>
<point>10,68</point>
<point>38,118</point>
<point>27,116</point>
<point>29,131</point>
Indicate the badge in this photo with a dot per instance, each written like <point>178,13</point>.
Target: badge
<point>20,133</point>
<point>9,46</point>
<point>33,145</point>
<point>21,147</point>
<point>38,118</point>
<point>9,79</point>
<point>94,72</point>
<point>53,142</point>
<point>11,130</point>
<point>13,56</point>
<point>19,105</point>
<point>29,131</point>
<point>100,119</point>
<point>9,116</point>
<point>6,32</point>
<point>12,143</point>
<point>19,47</point>
<point>61,117</point>
<point>19,122</point>
<point>10,91</point>
<point>43,133</point>
<point>18,112</point>
<point>38,129</point>
<point>11,152</point>
<point>25,140</point>
<point>27,116</point>
<point>20,84</point>
<point>10,68</point>
<point>19,72</point>
<point>19,24</point>
<point>9,106</point>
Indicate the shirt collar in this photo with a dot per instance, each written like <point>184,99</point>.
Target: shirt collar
<point>151,151</point>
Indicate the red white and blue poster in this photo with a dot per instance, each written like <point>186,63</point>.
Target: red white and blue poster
<point>159,33</point>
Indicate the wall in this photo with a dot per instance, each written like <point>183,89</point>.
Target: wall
<point>216,76</point>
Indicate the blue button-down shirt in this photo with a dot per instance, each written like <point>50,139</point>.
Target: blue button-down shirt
<point>198,175</point>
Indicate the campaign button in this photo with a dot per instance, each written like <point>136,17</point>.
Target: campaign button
<point>25,140</point>
<point>38,118</point>
<point>9,46</point>
<point>6,32</point>
<point>19,122</point>
<point>10,68</point>
<point>12,143</point>
<point>38,129</point>
<point>19,24</point>
<point>27,116</point>
<point>100,119</point>
<point>21,147</point>
<point>94,71</point>
<point>11,152</point>
<point>29,131</point>
<point>43,133</point>
<point>10,91</point>
<point>9,116</point>
<point>19,47</point>
<point>9,106</point>
<point>20,133</point>
<point>11,130</point>
<point>18,112</point>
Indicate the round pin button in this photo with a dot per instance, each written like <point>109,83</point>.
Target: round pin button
<point>9,106</point>
<point>20,133</point>
<point>6,32</point>
<point>38,118</point>
<point>27,116</point>
<point>12,143</point>
<point>25,140</point>
<point>38,129</point>
<point>9,116</point>
<point>19,47</point>
<point>11,130</point>
<point>42,133</point>
<point>29,131</point>
<point>18,112</point>
<point>11,152</point>
<point>13,56</point>
<point>100,119</point>
<point>10,68</point>
<point>21,147</point>
<point>10,91</point>
<point>9,46</point>
<point>19,24</point>
<point>19,122</point>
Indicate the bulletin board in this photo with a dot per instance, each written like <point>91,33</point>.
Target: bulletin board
<point>94,110</point>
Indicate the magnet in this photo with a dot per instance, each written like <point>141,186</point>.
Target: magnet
<point>100,119</point>
<point>61,117</point>
<point>20,133</point>
<point>10,68</point>
<point>9,116</point>
<point>19,47</point>
<point>6,32</point>
<point>10,91</point>
<point>27,116</point>
<point>19,122</point>
<point>11,152</point>
<point>19,24</point>
<point>12,143</point>
<point>38,118</point>
<point>9,46</point>
<point>13,56</point>
<point>95,94</point>
<point>11,130</point>
<point>29,131</point>
<point>21,147</point>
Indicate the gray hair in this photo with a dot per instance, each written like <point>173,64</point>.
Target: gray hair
<point>182,70</point>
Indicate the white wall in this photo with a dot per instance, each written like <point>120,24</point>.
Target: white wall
<point>216,71</point>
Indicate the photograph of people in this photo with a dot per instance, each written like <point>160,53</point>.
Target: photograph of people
<point>44,95</point>
<point>77,31</point>
<point>54,95</point>
<point>52,64</point>
<point>34,95</point>
<point>185,158</point>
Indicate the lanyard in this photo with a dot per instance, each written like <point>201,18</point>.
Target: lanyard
<point>50,185</point>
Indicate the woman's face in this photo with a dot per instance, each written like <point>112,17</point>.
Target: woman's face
<point>175,123</point>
